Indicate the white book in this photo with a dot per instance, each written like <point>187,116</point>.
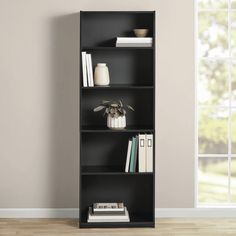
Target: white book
<point>84,69</point>
<point>91,69</point>
<point>108,218</point>
<point>88,70</point>
<point>128,156</point>
<point>142,153</point>
<point>133,44</point>
<point>108,206</point>
<point>149,153</point>
<point>134,40</point>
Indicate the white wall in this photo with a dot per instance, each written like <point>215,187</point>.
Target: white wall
<point>39,72</point>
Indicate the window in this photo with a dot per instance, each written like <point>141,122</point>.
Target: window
<point>216,102</point>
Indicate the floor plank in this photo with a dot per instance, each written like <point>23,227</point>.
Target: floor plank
<point>164,227</point>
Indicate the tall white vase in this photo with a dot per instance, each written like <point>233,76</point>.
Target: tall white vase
<point>116,122</point>
<point>101,75</point>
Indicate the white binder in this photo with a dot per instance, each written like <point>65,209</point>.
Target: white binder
<point>141,153</point>
<point>149,156</point>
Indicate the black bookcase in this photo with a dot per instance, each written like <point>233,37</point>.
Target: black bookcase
<point>103,151</point>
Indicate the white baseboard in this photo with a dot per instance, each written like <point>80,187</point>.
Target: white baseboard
<point>74,212</point>
<point>39,212</point>
<point>195,212</point>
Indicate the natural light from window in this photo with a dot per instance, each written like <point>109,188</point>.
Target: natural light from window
<point>216,95</point>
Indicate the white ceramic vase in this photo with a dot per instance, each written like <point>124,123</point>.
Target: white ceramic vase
<point>101,75</point>
<point>116,122</point>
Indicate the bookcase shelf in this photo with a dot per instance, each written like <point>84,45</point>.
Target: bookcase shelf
<point>119,86</point>
<point>129,128</point>
<point>116,48</point>
<point>116,173</point>
<point>135,221</point>
<point>103,151</point>
<point>109,170</point>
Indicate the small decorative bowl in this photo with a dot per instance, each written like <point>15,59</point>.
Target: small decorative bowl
<point>141,32</point>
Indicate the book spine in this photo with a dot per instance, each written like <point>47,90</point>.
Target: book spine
<point>108,220</point>
<point>149,156</point>
<point>128,156</point>
<point>131,168</point>
<point>102,213</point>
<point>142,153</point>
<point>91,70</point>
<point>84,69</point>
<point>108,209</point>
<point>134,39</point>
<point>134,45</point>
<point>114,206</point>
<point>88,70</point>
<point>136,154</point>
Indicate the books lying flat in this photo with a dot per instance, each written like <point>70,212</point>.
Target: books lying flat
<point>108,218</point>
<point>133,42</point>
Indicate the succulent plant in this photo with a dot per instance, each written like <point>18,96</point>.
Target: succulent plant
<point>113,108</point>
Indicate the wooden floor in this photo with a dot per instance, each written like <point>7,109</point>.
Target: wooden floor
<point>172,227</point>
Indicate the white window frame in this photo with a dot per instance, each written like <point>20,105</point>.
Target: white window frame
<point>229,63</point>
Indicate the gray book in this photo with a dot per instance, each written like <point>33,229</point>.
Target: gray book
<point>102,213</point>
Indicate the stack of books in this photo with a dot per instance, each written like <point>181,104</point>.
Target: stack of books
<point>140,154</point>
<point>87,69</point>
<point>108,212</point>
<point>133,42</point>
